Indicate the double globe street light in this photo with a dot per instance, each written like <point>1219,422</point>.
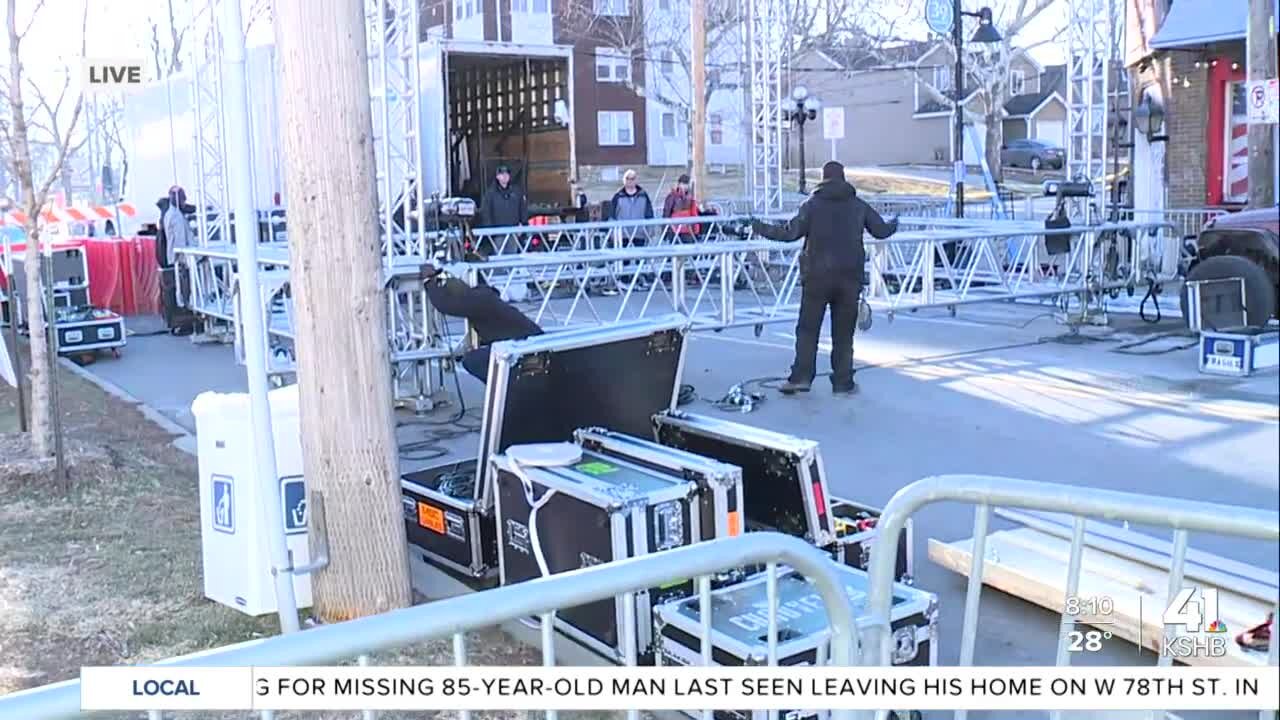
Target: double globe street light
<point>800,109</point>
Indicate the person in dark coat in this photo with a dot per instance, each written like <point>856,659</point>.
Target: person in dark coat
<point>504,203</point>
<point>831,221</point>
<point>492,318</point>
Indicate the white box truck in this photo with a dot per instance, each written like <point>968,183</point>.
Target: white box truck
<point>481,104</point>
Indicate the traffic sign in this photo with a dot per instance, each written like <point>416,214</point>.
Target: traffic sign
<point>940,15</point>
<point>832,123</point>
<point>1264,102</point>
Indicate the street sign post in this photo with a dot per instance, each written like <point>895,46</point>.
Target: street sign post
<point>939,15</point>
<point>833,126</point>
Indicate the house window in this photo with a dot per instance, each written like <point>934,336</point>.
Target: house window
<point>664,4</point>
<point>1017,82</point>
<point>668,62</point>
<point>542,7</point>
<point>463,9</point>
<point>942,78</point>
<point>612,65</point>
<point>616,8</point>
<point>716,123</point>
<point>668,125</point>
<point>614,127</point>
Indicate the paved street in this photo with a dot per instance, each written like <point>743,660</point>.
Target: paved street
<point>988,392</point>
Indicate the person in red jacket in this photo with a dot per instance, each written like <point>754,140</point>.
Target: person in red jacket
<point>679,199</point>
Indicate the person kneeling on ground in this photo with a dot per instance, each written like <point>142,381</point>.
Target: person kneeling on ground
<point>831,221</point>
<point>492,318</point>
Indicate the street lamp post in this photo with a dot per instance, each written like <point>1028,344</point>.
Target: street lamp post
<point>800,109</point>
<point>986,33</point>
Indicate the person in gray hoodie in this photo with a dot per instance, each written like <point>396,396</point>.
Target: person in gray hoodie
<point>631,202</point>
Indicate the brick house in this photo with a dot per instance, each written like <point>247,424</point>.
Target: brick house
<point>1187,60</point>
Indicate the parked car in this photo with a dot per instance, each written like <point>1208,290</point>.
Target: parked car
<point>1033,154</point>
<point>1243,245</point>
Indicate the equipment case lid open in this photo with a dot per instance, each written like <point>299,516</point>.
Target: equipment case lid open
<point>543,388</point>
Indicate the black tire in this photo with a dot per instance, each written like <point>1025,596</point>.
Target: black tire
<point>1035,164</point>
<point>1259,292</point>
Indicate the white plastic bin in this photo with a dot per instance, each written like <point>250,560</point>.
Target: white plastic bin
<point>236,553</point>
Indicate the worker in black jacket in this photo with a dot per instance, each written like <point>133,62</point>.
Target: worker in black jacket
<point>504,203</point>
<point>492,318</point>
<point>831,221</point>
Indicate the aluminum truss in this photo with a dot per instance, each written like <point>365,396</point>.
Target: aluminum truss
<point>1094,34</point>
<point>765,29</point>
<point>719,282</point>
<point>213,221</point>
<point>392,29</point>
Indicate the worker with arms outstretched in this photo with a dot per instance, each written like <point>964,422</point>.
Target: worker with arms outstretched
<point>831,222</point>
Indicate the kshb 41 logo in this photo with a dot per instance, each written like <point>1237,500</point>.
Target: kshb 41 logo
<point>112,73</point>
<point>1198,630</point>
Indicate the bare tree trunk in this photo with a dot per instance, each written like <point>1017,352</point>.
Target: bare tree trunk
<point>38,374</point>
<point>993,141</point>
<point>343,365</point>
<point>698,93</point>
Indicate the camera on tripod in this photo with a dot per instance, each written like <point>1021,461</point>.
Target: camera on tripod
<point>1068,188</point>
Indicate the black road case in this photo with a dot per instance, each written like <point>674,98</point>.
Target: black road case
<point>86,329</point>
<point>856,531</point>
<point>740,626</point>
<point>600,509</point>
<point>783,484</point>
<point>541,389</point>
<point>719,484</point>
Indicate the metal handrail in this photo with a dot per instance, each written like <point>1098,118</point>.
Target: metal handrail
<point>443,618</point>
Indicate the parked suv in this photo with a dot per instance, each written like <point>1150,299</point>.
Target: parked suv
<point>1243,245</point>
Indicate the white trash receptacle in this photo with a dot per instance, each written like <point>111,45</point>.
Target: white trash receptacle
<point>234,542</point>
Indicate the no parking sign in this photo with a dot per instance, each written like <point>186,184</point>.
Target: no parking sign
<point>1264,101</point>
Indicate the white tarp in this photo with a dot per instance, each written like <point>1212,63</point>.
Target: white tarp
<point>1191,23</point>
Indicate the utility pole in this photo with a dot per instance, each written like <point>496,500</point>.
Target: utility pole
<point>698,48</point>
<point>1262,137</point>
<point>349,451</point>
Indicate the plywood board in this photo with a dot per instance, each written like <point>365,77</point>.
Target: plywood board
<point>1033,566</point>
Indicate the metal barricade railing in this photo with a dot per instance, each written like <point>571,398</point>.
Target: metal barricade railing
<point>986,492</point>
<point>538,598</point>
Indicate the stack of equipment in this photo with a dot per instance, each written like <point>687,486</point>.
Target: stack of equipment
<point>596,510</point>
<point>540,389</point>
<point>719,484</point>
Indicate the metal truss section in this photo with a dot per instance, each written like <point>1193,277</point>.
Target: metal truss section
<point>1093,33</point>
<point>717,282</point>
<point>213,221</point>
<point>392,30</point>
<point>765,28</point>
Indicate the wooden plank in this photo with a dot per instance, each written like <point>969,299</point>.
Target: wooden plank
<point>1244,585</point>
<point>1164,548</point>
<point>1237,611</point>
<point>1037,578</point>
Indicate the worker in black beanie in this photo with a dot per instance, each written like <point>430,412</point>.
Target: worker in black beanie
<point>831,221</point>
